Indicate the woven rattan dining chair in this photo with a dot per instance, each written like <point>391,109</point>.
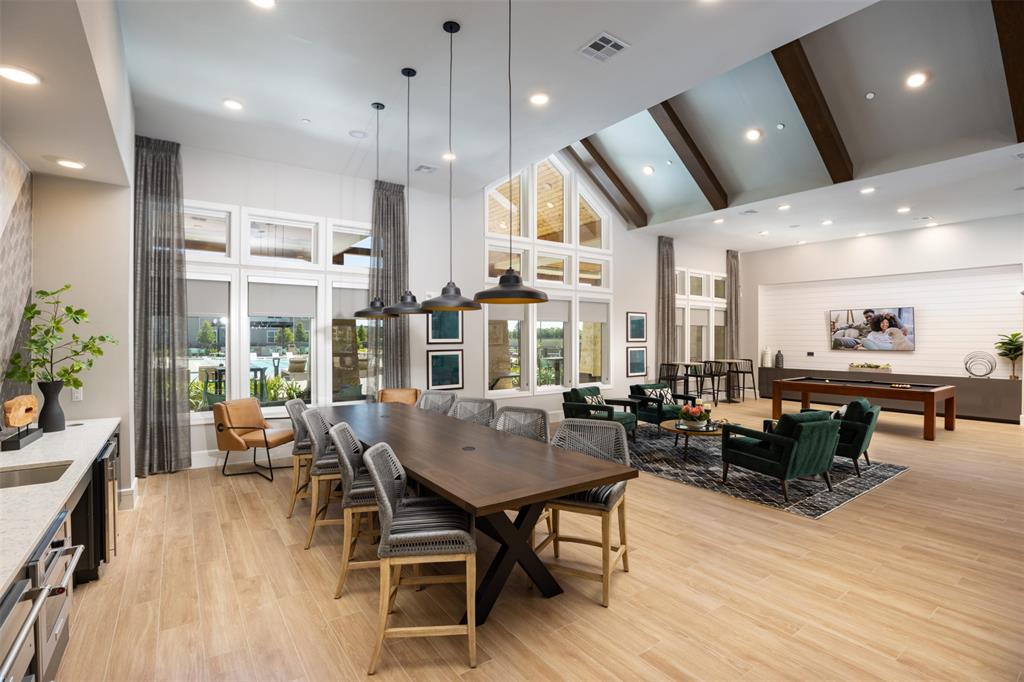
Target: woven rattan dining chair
<point>605,440</point>
<point>529,422</point>
<point>323,469</point>
<point>416,531</point>
<point>436,401</point>
<point>302,452</point>
<point>358,498</point>
<point>478,410</point>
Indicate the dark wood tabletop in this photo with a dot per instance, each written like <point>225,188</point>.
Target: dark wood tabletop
<point>481,470</point>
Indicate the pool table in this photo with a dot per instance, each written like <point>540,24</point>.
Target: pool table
<point>926,394</point>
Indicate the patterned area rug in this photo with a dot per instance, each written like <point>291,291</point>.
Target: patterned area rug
<point>655,452</point>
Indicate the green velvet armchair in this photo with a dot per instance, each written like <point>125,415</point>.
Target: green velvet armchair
<point>856,427</point>
<point>575,405</point>
<point>654,409</point>
<point>801,444</point>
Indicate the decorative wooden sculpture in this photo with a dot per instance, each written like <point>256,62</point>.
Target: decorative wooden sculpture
<point>19,412</point>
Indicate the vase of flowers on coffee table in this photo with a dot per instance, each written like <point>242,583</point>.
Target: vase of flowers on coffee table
<point>696,417</point>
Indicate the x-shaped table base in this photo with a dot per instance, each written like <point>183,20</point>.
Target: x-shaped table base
<point>514,538</point>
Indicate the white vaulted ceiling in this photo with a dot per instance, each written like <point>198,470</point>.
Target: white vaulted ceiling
<point>327,61</point>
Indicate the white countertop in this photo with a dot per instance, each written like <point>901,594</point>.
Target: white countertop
<point>26,511</point>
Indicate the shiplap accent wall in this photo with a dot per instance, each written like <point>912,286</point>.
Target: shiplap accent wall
<point>956,312</point>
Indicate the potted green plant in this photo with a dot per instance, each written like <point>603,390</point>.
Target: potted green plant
<point>1011,347</point>
<point>50,360</point>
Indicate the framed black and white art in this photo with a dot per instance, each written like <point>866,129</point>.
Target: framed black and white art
<point>636,327</point>
<point>636,361</point>
<point>444,369</point>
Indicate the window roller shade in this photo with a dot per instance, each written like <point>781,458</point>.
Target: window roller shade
<point>553,311</point>
<point>506,312</point>
<point>207,298</point>
<point>345,302</point>
<point>281,300</point>
<point>593,312</point>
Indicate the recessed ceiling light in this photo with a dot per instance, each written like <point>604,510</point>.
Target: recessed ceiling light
<point>792,226</point>
<point>305,120</point>
<point>826,223</point>
<point>539,99</point>
<point>669,163</point>
<point>801,242</point>
<point>752,134</point>
<point>780,126</point>
<point>903,209</point>
<point>869,95</point>
<point>862,234</point>
<point>718,221</point>
<point>357,134</point>
<point>867,190</point>
<point>18,75</point>
<point>232,104</point>
<point>749,211</point>
<point>932,224</point>
<point>763,233</point>
<point>448,156</point>
<point>68,163</point>
<point>264,4</point>
<point>917,79</point>
<point>784,207</point>
<point>648,170</point>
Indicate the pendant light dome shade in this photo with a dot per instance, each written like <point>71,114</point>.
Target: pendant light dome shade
<point>510,290</point>
<point>374,311</point>
<point>407,305</point>
<point>451,298</point>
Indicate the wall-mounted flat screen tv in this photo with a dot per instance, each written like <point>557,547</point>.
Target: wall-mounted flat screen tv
<point>872,329</point>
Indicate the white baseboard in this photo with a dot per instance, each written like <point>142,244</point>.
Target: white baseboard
<point>126,498</point>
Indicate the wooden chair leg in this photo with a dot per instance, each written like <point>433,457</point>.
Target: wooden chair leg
<point>622,535</point>
<point>606,557</point>
<point>396,578</point>
<point>346,553</point>
<point>296,472</point>
<point>828,481</point>
<point>725,472</point>
<point>785,490</point>
<point>382,613</point>
<point>471,607</point>
<point>554,525</point>
<point>867,460</point>
<point>314,496</point>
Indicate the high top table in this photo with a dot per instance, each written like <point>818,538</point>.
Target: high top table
<point>485,472</point>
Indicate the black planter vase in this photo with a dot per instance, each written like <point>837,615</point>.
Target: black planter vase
<point>51,416</point>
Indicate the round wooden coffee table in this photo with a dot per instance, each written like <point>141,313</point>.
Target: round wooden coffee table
<point>670,426</point>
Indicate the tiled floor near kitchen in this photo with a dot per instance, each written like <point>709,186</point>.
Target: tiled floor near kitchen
<point>920,578</point>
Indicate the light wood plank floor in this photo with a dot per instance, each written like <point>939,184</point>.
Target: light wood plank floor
<point>921,578</point>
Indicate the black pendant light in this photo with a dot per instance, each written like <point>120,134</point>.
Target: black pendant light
<point>510,288</point>
<point>407,304</point>
<point>451,297</point>
<point>375,311</point>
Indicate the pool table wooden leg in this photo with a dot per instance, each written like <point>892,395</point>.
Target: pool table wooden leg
<point>929,417</point>
<point>949,410</point>
<point>805,400</point>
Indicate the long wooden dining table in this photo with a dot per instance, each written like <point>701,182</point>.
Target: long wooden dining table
<point>485,472</point>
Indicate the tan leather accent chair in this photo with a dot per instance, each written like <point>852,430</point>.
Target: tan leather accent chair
<point>240,425</point>
<point>406,396</point>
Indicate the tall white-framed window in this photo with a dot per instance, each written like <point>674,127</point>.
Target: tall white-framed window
<point>349,336</point>
<point>208,334</point>
<point>563,247</point>
<point>211,231</point>
<point>701,307</point>
<point>347,246</point>
<point>280,337</point>
<point>279,239</point>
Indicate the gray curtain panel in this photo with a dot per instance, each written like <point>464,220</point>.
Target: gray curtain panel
<point>665,342</point>
<point>732,295</point>
<point>161,368</point>
<point>388,340</point>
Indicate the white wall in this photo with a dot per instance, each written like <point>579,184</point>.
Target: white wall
<point>82,235</point>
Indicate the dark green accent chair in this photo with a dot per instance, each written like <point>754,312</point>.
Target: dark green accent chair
<point>655,410</point>
<point>856,427</point>
<point>575,406</point>
<point>801,444</point>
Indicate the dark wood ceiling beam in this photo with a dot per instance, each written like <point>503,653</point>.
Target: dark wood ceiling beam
<point>601,173</point>
<point>1009,16</point>
<point>803,86</point>
<point>687,151</point>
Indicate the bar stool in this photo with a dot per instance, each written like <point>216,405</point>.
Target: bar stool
<point>739,370</point>
<point>529,422</point>
<point>302,452</point>
<point>436,401</point>
<point>668,373</point>
<point>715,371</point>
<point>358,497</point>
<point>323,469</point>
<point>416,531</point>
<point>479,410</point>
<point>605,440</point>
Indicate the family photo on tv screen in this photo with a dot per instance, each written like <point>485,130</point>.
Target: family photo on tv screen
<point>872,329</point>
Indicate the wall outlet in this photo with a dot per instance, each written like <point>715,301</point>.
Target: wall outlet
<point>810,353</point>
<point>76,394</point>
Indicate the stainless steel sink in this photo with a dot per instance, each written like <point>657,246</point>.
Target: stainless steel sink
<point>15,477</point>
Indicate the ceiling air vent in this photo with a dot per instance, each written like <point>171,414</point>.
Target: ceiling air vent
<point>603,47</point>
<point>749,211</point>
<point>425,168</point>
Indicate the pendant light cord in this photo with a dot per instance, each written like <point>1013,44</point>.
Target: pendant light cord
<point>509,134</point>
<point>380,279</point>
<point>451,162</point>
<point>408,157</point>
